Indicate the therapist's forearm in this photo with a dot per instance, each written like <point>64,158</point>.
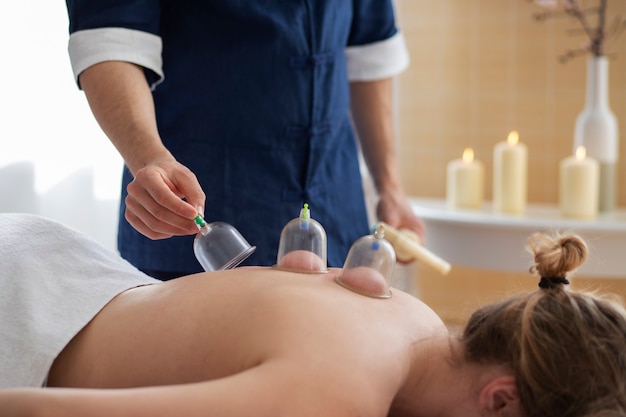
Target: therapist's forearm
<point>372,113</point>
<point>121,100</point>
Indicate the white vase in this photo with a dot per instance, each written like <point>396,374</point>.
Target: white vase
<point>596,130</point>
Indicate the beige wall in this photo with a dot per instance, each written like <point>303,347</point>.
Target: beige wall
<point>479,69</point>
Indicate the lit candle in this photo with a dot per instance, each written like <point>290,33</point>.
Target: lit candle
<point>465,182</point>
<point>510,173</point>
<point>579,185</point>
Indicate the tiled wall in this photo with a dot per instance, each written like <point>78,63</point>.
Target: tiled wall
<point>479,69</point>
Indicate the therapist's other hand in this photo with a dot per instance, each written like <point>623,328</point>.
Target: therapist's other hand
<point>395,210</point>
<point>162,200</point>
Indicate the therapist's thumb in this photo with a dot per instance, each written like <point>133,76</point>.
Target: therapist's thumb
<point>196,199</point>
<point>191,193</point>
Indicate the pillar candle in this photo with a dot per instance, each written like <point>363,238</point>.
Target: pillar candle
<point>510,175</point>
<point>579,186</point>
<point>465,182</point>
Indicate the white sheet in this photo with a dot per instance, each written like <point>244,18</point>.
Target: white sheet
<point>53,281</point>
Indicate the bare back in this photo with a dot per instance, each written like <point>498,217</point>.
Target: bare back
<point>210,326</point>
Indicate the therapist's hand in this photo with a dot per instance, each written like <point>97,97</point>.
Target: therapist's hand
<point>163,200</point>
<point>395,210</point>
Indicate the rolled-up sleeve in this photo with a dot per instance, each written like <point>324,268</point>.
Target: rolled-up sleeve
<point>377,60</point>
<point>92,46</point>
<point>115,30</point>
<point>376,48</point>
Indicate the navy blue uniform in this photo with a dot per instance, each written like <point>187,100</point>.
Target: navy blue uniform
<point>253,97</point>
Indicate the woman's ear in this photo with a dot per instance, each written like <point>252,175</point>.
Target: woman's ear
<point>500,397</point>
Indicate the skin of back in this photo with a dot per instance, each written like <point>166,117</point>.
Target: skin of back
<point>335,350</point>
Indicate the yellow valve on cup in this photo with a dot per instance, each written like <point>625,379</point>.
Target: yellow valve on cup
<point>408,248</point>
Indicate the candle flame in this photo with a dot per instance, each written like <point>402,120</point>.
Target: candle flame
<point>468,155</point>
<point>513,138</point>
<point>581,152</point>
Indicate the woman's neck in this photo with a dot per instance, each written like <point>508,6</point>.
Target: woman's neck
<point>438,383</point>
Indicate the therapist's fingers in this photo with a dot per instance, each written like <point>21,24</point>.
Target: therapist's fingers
<point>187,186</point>
<point>137,223</point>
<point>155,205</point>
<point>396,211</point>
<point>153,220</point>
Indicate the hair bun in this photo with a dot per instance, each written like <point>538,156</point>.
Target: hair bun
<point>556,256</point>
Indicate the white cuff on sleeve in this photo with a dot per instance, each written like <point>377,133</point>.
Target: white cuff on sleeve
<point>377,60</point>
<point>92,46</point>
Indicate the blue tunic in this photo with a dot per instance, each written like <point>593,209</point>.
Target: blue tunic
<point>253,97</point>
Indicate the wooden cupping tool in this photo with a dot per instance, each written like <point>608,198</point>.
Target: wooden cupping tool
<point>408,248</point>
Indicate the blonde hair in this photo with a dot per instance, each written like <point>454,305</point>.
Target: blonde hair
<point>566,348</point>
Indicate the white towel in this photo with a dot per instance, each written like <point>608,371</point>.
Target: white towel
<point>53,281</point>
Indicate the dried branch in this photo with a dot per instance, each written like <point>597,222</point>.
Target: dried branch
<point>596,35</point>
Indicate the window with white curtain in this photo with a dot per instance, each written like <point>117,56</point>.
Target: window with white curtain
<point>54,159</point>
